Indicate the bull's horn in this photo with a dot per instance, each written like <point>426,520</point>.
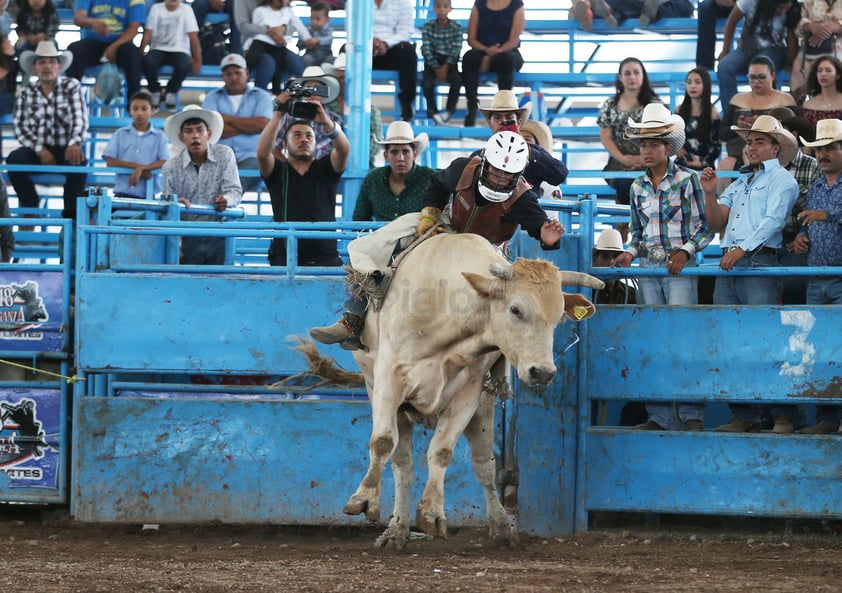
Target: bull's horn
<point>581,279</point>
<point>501,271</point>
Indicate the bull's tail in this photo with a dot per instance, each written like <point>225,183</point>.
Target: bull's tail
<point>325,368</point>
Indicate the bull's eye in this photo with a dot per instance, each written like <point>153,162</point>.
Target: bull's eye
<point>515,310</point>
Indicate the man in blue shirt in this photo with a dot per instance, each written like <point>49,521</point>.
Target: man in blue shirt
<point>821,237</point>
<point>245,111</point>
<point>752,212</point>
<point>108,28</point>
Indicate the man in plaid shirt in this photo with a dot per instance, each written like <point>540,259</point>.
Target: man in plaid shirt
<point>51,121</point>
<point>441,46</point>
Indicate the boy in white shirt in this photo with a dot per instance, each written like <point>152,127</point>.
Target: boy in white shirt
<point>172,36</point>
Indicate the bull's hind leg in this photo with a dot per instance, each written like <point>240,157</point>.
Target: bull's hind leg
<point>385,400</point>
<point>403,469</point>
<point>480,435</point>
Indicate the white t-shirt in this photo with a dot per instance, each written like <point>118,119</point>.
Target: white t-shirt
<point>268,17</point>
<point>170,29</point>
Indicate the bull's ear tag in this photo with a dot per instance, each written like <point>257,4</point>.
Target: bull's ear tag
<point>571,341</point>
<point>580,312</point>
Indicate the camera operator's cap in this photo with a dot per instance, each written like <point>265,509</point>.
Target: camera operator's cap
<point>506,101</point>
<point>828,131</point>
<point>766,124</point>
<point>315,73</point>
<point>172,125</point>
<point>610,240</point>
<point>233,60</point>
<point>400,132</point>
<point>45,49</point>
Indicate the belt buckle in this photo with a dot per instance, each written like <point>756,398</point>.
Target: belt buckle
<point>657,255</point>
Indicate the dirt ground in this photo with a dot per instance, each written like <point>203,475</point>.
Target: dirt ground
<point>57,554</point>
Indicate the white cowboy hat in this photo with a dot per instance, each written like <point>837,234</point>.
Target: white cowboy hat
<point>315,73</point>
<point>610,240</point>
<point>658,123</point>
<point>766,124</point>
<point>172,125</point>
<point>506,101</point>
<point>337,66</point>
<point>828,131</point>
<point>400,132</point>
<point>541,132</point>
<point>45,49</point>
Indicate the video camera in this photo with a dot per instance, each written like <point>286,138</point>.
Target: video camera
<point>298,106</point>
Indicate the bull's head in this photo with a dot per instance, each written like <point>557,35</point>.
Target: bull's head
<point>525,305</point>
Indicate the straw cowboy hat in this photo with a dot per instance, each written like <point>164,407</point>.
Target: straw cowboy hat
<point>506,101</point>
<point>400,132</point>
<point>610,240</point>
<point>315,73</point>
<point>541,132</point>
<point>45,49</point>
<point>658,123</point>
<point>766,124</point>
<point>172,125</point>
<point>828,131</point>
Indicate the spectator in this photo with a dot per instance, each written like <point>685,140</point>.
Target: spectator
<point>278,18</point>
<point>7,236</point>
<point>200,172</point>
<point>318,49</point>
<point>172,36</point>
<point>264,70</point>
<point>245,111</point>
<point>140,147</point>
<point>609,245</point>
<point>337,70</point>
<point>632,92</point>
<point>313,76</point>
<point>768,30</point>
<point>494,31</point>
<point>649,11</point>
<point>701,148</point>
<point>441,44</point>
<point>752,212</point>
<point>398,187</point>
<point>108,29</point>
<point>8,77</point>
<point>820,238</point>
<point>303,187</point>
<point>663,240</point>
<point>393,49</point>
<point>746,107</point>
<point>824,89</point>
<point>708,13</point>
<point>201,9</point>
<point>44,138</point>
<point>585,11</point>
<point>504,114</point>
<point>819,29</point>
<point>37,21</point>
<point>537,132</point>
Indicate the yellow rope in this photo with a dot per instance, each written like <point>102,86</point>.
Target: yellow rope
<point>70,380</point>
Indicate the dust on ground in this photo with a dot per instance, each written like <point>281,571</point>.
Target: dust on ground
<point>51,552</point>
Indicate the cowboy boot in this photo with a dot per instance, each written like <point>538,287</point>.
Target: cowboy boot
<point>346,332</point>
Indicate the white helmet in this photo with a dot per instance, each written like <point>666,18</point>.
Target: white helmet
<point>505,152</point>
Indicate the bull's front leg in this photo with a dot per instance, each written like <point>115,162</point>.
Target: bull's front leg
<point>384,438</point>
<point>480,435</point>
<point>403,469</point>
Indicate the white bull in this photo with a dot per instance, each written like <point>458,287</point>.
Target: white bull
<point>454,306</point>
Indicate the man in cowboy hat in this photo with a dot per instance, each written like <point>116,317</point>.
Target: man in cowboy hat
<point>329,91</point>
<point>46,139</point>
<point>504,113</point>
<point>752,212</point>
<point>201,172</point>
<point>663,240</point>
<point>398,187</point>
<point>245,111</point>
<point>302,186</point>
<point>820,238</point>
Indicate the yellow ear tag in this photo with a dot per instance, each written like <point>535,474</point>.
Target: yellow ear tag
<point>580,312</point>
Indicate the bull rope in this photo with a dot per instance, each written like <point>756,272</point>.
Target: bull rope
<point>70,380</point>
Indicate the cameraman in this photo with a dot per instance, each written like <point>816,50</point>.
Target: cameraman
<point>303,187</point>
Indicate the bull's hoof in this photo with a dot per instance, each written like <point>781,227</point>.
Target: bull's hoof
<point>358,505</point>
<point>503,536</point>
<point>394,538</point>
<point>432,524</point>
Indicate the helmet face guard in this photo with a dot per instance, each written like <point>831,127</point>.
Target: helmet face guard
<point>504,159</point>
